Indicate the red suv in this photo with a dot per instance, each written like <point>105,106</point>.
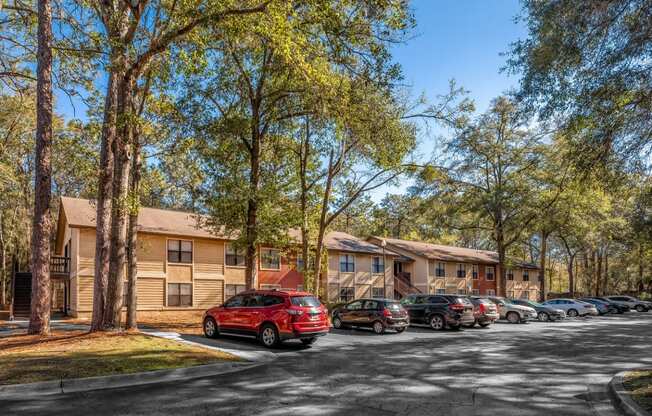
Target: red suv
<point>270,315</point>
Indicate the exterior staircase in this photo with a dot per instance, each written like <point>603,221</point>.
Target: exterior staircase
<point>403,287</point>
<point>22,294</point>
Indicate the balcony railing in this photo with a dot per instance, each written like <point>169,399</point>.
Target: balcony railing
<point>59,265</point>
<point>403,285</point>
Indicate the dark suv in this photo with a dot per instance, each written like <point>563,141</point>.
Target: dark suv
<point>439,311</point>
<point>379,314</point>
<point>270,315</point>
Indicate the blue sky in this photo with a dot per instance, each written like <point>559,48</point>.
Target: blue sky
<point>461,40</point>
<point>454,39</point>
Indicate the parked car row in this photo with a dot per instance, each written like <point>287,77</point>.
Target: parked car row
<point>274,316</point>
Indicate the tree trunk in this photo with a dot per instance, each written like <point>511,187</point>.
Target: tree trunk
<point>132,237</point>
<point>502,276</point>
<point>104,206</point>
<point>3,265</point>
<point>304,157</point>
<point>571,275</point>
<point>640,268</point>
<point>39,321</point>
<point>605,277</point>
<point>122,157</point>
<point>598,273</point>
<point>542,264</point>
<point>251,253</point>
<point>319,245</point>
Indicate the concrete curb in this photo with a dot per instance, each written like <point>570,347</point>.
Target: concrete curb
<point>622,399</point>
<point>62,386</point>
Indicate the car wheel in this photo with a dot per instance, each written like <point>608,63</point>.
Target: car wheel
<point>437,322</point>
<point>400,329</point>
<point>513,317</point>
<point>210,328</point>
<point>640,308</point>
<point>378,327</point>
<point>269,336</point>
<point>543,316</point>
<point>572,313</point>
<point>485,324</point>
<point>308,341</point>
<point>337,322</point>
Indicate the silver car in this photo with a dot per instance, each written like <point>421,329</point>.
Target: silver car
<point>572,307</point>
<point>512,312</point>
<point>633,303</point>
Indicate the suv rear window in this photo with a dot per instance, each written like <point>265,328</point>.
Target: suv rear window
<point>305,301</point>
<point>394,306</point>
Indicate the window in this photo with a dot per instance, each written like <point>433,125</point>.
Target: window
<point>354,306</point>
<point>526,276</point>
<point>491,292</point>
<point>510,274</point>
<point>179,294</point>
<point>234,302</point>
<point>347,263</point>
<point>437,299</point>
<point>232,290</point>
<point>474,272</point>
<point>440,270</point>
<point>272,300</point>
<point>377,292</point>
<point>347,294</point>
<point>253,301</point>
<point>440,291</point>
<point>510,293</point>
<point>305,301</point>
<point>371,305</point>
<point>300,264</point>
<point>462,291</point>
<point>461,270</point>
<point>525,294</point>
<point>179,251</point>
<point>377,265</point>
<point>299,288</point>
<point>270,259</point>
<point>234,256</point>
<point>490,272</point>
<point>475,292</point>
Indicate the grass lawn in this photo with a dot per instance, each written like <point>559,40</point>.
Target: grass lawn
<point>74,354</point>
<point>639,385</point>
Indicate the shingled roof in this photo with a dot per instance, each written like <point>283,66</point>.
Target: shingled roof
<point>450,253</point>
<point>340,241</point>
<point>82,213</point>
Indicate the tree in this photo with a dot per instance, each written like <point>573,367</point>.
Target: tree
<point>488,181</point>
<point>39,322</point>
<point>588,60</point>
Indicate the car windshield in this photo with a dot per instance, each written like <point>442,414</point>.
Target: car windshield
<point>305,301</point>
<point>531,303</point>
<point>394,306</point>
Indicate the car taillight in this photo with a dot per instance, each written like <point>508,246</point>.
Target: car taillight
<point>387,312</point>
<point>294,312</point>
<point>457,307</point>
<point>482,308</point>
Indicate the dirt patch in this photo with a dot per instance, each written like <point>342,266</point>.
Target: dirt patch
<point>183,322</point>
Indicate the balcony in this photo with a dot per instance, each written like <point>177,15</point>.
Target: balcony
<point>59,267</point>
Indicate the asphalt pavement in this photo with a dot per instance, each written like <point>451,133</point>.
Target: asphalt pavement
<point>506,369</point>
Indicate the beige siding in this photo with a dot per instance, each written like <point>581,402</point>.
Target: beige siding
<point>85,294</point>
<point>151,255</point>
<point>362,291</point>
<point>209,259</point>
<point>151,293</point>
<point>362,280</point>
<point>234,275</point>
<point>73,293</point>
<point>179,273</point>
<point>86,252</point>
<point>208,293</point>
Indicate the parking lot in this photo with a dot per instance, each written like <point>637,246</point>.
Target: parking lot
<point>507,369</point>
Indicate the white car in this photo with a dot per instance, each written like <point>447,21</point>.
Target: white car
<point>512,312</point>
<point>633,303</point>
<point>572,307</point>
